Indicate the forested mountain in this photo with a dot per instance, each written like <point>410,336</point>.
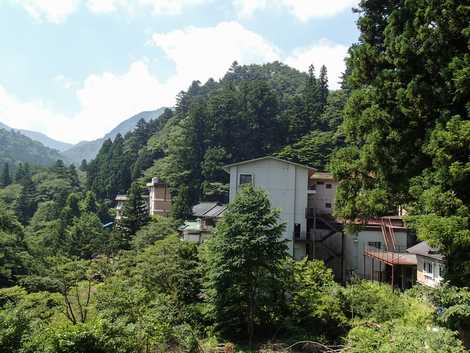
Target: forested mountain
<point>16,147</point>
<point>252,111</point>
<point>88,149</point>
<point>397,134</point>
<point>42,138</point>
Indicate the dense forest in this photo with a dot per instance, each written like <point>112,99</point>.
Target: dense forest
<point>74,280</point>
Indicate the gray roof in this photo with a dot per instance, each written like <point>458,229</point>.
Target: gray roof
<point>424,249</point>
<point>201,208</point>
<point>216,212</point>
<point>208,210</point>
<point>226,167</point>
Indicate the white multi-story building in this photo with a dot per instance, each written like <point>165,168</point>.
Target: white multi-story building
<point>286,184</point>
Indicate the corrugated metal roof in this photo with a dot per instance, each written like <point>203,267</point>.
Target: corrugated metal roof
<point>424,249</point>
<point>201,208</point>
<point>392,258</point>
<point>216,212</point>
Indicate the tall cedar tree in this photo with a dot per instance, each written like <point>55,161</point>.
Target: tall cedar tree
<point>26,206</point>
<point>312,99</point>
<point>323,88</point>
<point>244,265</point>
<point>134,216</point>
<point>5,178</point>
<point>407,123</point>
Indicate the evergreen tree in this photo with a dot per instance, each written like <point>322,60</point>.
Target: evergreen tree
<point>134,216</point>
<point>323,88</point>
<point>73,176</point>
<point>5,178</point>
<point>60,169</point>
<point>26,206</point>
<point>89,204</point>
<point>312,96</point>
<point>71,210</point>
<point>244,265</point>
<point>83,165</point>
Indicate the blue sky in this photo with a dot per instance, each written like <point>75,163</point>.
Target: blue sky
<point>74,69</point>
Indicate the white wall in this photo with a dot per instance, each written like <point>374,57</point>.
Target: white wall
<point>286,185</point>
<point>423,277</point>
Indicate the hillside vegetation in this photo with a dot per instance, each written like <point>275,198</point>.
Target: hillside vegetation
<point>16,147</point>
<point>396,134</point>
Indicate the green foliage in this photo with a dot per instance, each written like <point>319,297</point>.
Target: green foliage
<point>157,229</point>
<point>391,338</point>
<point>406,122</point>
<point>134,216</point>
<point>5,177</point>
<point>315,301</point>
<point>171,266</point>
<point>386,321</point>
<point>243,266</point>
<point>85,237</point>
<point>13,252</point>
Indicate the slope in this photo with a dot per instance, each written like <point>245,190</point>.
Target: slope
<point>88,149</point>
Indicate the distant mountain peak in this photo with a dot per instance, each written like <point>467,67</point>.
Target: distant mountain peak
<point>89,149</point>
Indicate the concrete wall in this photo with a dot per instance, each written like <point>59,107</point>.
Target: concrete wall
<point>324,195</point>
<point>159,200</point>
<point>286,186</point>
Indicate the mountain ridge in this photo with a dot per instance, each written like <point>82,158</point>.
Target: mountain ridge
<point>40,137</point>
<point>89,149</point>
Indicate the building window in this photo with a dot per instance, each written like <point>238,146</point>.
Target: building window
<point>428,267</point>
<point>327,205</point>
<point>375,244</point>
<point>246,179</point>
<point>328,186</point>
<point>320,183</point>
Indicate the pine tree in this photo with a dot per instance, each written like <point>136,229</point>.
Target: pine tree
<point>323,87</point>
<point>5,177</point>
<point>134,216</point>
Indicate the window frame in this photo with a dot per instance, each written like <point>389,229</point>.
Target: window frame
<point>245,175</point>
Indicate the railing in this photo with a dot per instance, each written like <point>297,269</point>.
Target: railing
<point>387,256</point>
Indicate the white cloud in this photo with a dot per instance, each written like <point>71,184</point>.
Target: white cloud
<point>323,52</point>
<point>55,11</point>
<point>201,53</point>
<point>167,7</point>
<point>33,115</point>
<point>304,10</point>
<point>105,99</point>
